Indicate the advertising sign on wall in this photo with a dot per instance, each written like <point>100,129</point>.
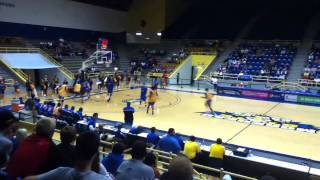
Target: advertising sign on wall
<point>291,97</point>
<point>256,94</point>
<point>308,99</point>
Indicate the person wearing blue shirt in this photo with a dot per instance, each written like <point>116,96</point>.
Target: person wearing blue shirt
<point>152,137</point>
<point>128,114</point>
<point>109,86</point>
<point>80,113</point>
<point>92,122</point>
<point>170,143</point>
<point>143,93</point>
<point>114,159</point>
<point>66,108</point>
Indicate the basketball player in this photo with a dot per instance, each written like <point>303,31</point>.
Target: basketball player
<point>208,97</point>
<point>143,94</point>
<point>63,92</point>
<point>109,85</point>
<point>152,98</point>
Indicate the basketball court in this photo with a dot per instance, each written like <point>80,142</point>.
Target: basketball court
<point>182,110</point>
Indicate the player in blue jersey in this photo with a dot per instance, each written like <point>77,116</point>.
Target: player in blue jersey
<point>143,94</point>
<point>109,85</point>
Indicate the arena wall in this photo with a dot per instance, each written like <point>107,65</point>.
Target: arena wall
<point>64,14</point>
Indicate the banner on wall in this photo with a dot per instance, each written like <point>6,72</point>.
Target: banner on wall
<point>255,94</point>
<point>290,98</point>
<point>308,99</point>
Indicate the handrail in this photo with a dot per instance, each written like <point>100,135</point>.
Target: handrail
<point>253,78</point>
<point>308,82</point>
<point>18,72</point>
<point>63,69</point>
<point>179,66</point>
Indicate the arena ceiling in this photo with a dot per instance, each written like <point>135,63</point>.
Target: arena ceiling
<point>122,5</point>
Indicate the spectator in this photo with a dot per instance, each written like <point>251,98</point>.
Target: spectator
<point>8,126</point>
<point>114,159</point>
<point>22,133</point>
<point>170,143</point>
<point>92,122</point>
<point>152,137</point>
<point>80,113</point>
<point>151,160</point>
<point>135,168</point>
<point>128,114</point>
<point>191,148</point>
<point>179,168</point>
<point>87,149</point>
<point>63,155</point>
<point>216,154</point>
<point>32,153</point>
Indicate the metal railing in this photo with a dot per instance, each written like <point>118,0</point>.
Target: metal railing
<point>267,79</point>
<point>18,72</point>
<point>63,69</point>
<point>308,82</point>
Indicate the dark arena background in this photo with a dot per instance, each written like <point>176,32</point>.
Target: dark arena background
<point>237,80</point>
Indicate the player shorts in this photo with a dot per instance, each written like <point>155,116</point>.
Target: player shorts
<point>151,103</point>
<point>143,98</point>
<point>209,102</point>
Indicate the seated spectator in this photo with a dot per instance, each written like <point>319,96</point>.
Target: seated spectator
<point>80,113</point>
<point>151,160</point>
<point>63,155</point>
<point>114,159</point>
<point>8,126</point>
<point>152,137</point>
<point>216,154</point>
<point>170,143</point>
<point>191,148</point>
<point>92,122</point>
<point>22,133</point>
<point>135,168</point>
<point>71,110</point>
<point>66,108</point>
<point>86,151</point>
<point>179,168</point>
<point>32,153</point>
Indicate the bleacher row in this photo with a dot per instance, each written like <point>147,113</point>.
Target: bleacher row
<point>260,60</point>
<point>312,67</point>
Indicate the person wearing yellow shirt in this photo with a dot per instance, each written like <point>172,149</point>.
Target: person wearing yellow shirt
<point>217,152</point>
<point>63,91</point>
<point>191,148</point>
<point>152,98</point>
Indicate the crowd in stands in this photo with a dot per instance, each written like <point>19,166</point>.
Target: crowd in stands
<point>260,59</point>
<point>11,41</point>
<point>153,60</point>
<point>312,67</point>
